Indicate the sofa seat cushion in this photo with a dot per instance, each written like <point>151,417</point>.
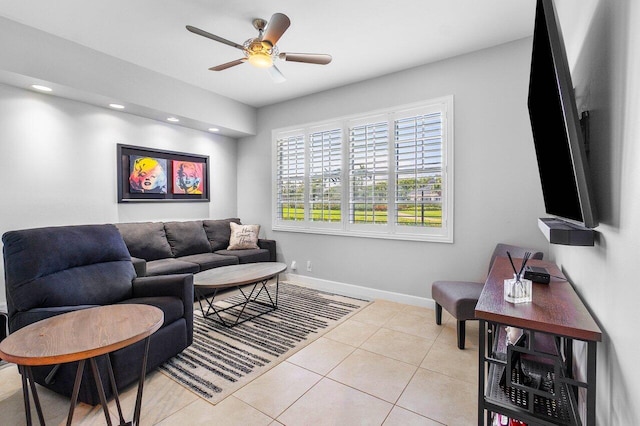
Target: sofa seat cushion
<point>210,260</point>
<point>187,238</point>
<point>171,307</point>
<point>146,240</point>
<point>171,266</point>
<point>219,232</point>
<point>248,256</point>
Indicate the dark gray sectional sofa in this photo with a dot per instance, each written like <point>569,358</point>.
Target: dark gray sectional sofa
<point>164,248</point>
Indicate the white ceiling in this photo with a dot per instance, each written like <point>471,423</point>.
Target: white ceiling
<point>367,38</point>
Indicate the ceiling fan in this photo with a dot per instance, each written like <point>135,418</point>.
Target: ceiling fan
<point>262,51</point>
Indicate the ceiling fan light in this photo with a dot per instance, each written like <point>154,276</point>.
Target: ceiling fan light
<point>260,60</point>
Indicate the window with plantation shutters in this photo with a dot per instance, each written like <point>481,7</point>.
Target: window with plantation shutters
<point>385,174</point>
<point>418,170</point>
<point>290,177</point>
<point>368,173</point>
<point>325,179</point>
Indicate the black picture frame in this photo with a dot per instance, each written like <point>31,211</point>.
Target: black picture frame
<point>155,169</point>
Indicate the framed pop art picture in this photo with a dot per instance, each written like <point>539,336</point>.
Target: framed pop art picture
<point>146,174</point>
<point>188,177</point>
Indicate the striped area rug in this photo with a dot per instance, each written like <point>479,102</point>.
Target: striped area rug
<point>222,360</point>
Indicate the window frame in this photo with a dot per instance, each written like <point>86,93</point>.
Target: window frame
<point>388,230</point>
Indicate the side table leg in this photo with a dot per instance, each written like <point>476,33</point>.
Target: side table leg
<point>114,389</point>
<point>136,413</point>
<point>25,395</point>
<point>34,393</point>
<point>100,388</point>
<point>76,390</point>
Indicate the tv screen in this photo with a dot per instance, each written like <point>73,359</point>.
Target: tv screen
<point>558,139</point>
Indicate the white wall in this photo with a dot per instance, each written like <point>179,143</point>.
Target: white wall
<point>603,46</point>
<point>58,164</point>
<point>78,72</point>
<point>497,189</point>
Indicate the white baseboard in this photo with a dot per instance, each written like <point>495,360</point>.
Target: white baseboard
<point>357,291</point>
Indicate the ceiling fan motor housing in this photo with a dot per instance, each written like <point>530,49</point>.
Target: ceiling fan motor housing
<point>260,53</point>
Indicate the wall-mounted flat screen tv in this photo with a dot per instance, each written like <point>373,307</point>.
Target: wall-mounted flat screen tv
<point>558,139</point>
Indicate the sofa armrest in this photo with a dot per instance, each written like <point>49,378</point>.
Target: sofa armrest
<point>140,266</point>
<point>179,285</point>
<point>269,245</point>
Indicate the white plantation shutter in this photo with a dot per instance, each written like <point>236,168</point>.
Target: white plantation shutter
<point>290,178</point>
<point>368,172</point>
<point>325,165</point>
<point>386,174</point>
<point>418,170</point>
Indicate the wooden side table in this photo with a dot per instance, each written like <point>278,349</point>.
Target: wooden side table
<point>79,336</point>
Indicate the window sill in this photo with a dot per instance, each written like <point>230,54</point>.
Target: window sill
<point>432,238</point>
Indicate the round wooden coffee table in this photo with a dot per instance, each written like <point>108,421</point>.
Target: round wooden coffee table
<point>78,336</point>
<point>256,274</point>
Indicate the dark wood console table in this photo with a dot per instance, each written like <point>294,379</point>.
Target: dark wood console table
<point>535,381</point>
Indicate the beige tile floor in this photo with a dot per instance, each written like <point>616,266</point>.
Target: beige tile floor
<point>390,364</point>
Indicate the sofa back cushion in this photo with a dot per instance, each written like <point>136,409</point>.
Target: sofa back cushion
<point>186,238</point>
<point>218,232</point>
<point>146,240</point>
<point>66,266</point>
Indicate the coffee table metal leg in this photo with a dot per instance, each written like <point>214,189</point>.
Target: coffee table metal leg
<point>247,300</point>
<point>211,308</point>
<point>274,304</point>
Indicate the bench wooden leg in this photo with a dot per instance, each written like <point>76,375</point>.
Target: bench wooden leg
<point>461,334</point>
<point>438,314</point>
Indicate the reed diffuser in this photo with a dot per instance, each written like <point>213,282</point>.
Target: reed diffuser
<point>518,289</point>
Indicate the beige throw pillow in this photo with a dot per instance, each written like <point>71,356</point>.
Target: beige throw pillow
<point>243,237</point>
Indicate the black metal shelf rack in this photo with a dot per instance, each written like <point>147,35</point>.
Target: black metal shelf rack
<point>540,389</point>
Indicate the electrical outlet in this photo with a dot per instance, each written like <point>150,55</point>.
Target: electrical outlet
<point>308,266</point>
<point>294,265</point>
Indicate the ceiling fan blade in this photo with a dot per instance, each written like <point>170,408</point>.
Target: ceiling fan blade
<point>206,34</point>
<point>276,75</point>
<point>275,28</point>
<point>228,65</point>
<point>309,58</point>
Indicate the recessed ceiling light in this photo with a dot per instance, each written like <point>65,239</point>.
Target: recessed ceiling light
<point>214,129</point>
<point>173,119</point>
<point>41,88</point>
<point>116,106</point>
